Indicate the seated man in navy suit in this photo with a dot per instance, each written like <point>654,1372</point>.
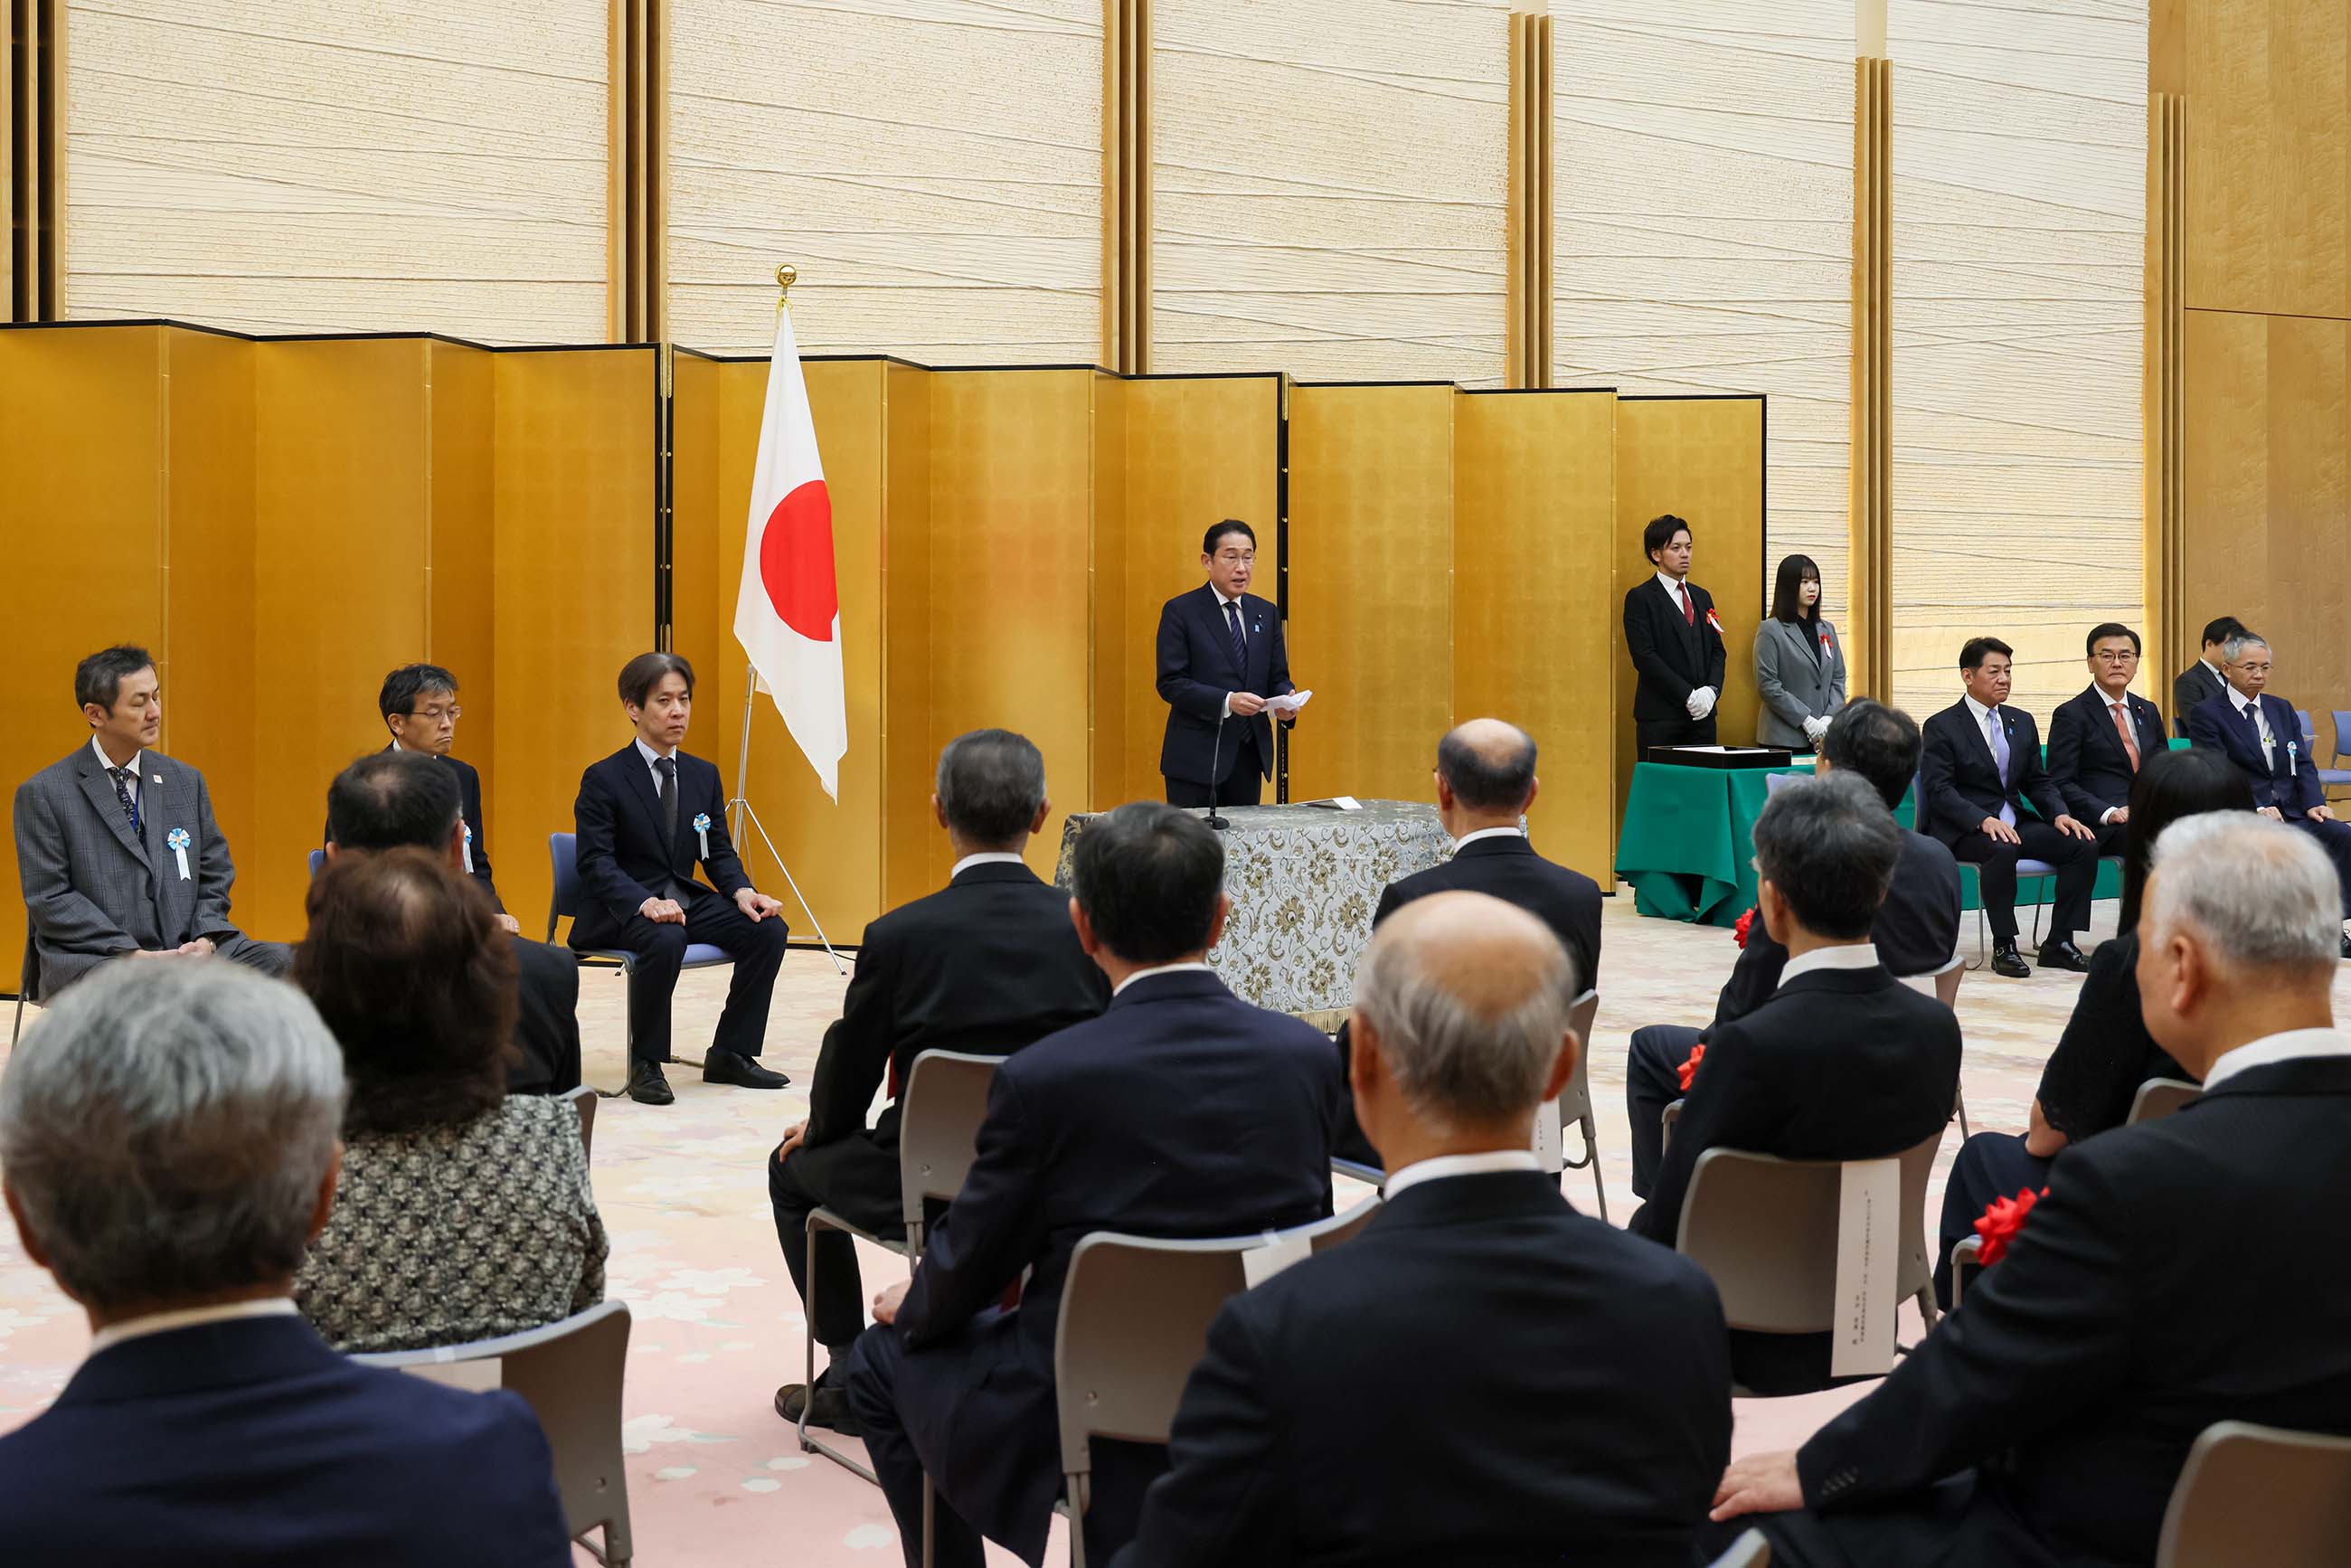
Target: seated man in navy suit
<point>1220,662</point>
<point>169,1136</point>
<point>1182,1112</point>
<point>419,704</point>
<point>2099,740</point>
<point>2261,735</point>
<point>646,816</point>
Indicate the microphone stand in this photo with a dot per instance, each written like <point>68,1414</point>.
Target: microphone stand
<point>1215,752</point>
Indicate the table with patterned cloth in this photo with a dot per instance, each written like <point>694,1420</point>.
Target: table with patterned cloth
<point>1304,881</point>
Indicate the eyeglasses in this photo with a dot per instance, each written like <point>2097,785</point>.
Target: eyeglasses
<point>2106,656</point>
<point>440,715</point>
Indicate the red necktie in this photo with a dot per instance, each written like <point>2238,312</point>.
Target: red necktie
<point>1690,609</point>
<point>2123,727</point>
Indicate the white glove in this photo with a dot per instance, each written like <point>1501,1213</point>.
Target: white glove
<point>1701,702</point>
<point>1815,727</point>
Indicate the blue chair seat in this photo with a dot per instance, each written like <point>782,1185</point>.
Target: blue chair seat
<point>698,956</point>
<point>2331,777</point>
<point>563,851</point>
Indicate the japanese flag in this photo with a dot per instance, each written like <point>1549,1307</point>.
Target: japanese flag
<point>788,613</point>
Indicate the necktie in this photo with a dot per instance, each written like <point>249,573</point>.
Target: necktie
<point>1689,606</point>
<point>122,777</point>
<point>1996,733</point>
<point>1233,627</point>
<point>2122,728</point>
<point>668,767</point>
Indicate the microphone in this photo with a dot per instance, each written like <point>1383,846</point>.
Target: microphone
<point>1216,752</point>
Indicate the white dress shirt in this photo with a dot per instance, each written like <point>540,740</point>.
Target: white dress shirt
<point>113,1334</point>
<point>1677,590</point>
<point>1161,969</point>
<point>1466,840</point>
<point>137,764</point>
<point>649,755</point>
<point>1844,955</point>
<point>1985,719</point>
<point>2291,1046</point>
<point>1445,1165</point>
<point>986,857</point>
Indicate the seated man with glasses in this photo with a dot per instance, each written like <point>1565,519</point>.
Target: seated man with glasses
<point>2100,739</point>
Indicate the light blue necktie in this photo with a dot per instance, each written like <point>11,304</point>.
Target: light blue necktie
<point>1997,733</point>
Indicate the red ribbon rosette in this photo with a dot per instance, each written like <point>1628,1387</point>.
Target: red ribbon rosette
<point>1739,931</point>
<point>1688,1069</point>
<point>2002,1219</point>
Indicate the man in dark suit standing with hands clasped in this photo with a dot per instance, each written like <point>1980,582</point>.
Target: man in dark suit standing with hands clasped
<point>646,815</point>
<point>1983,763</point>
<point>1222,667</point>
<point>2098,740</point>
<point>1676,641</point>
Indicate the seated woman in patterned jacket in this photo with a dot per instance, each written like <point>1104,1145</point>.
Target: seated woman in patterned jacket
<point>463,1213</point>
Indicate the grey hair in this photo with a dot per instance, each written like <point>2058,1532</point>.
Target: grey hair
<point>2237,642</point>
<point>1454,1063</point>
<point>990,784</point>
<point>2262,896</point>
<point>164,1128</point>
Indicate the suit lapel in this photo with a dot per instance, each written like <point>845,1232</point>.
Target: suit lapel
<point>642,776</point>
<point>99,788</point>
<point>1983,746</point>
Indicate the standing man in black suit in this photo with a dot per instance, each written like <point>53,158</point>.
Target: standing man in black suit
<point>1573,1384</point>
<point>1676,641</point>
<point>397,799</point>
<point>1221,662</point>
<point>1485,783</point>
<point>2098,740</point>
<point>1181,1111</point>
<point>419,704</point>
<point>986,964</point>
<point>2200,681</point>
<point>646,816</point>
<point>1844,1062</point>
<point>1982,763</point>
<point>2177,1273</point>
<point>2261,735</point>
<point>1916,931</point>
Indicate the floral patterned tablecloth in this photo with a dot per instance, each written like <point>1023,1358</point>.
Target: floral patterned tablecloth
<point>1304,881</point>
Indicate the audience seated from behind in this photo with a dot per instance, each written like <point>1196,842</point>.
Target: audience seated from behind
<point>2180,1272</point>
<point>466,1212</point>
<point>1483,1376</point>
<point>1844,1062</point>
<point>1916,931</point>
<point>402,799</point>
<point>1485,783</point>
<point>986,964</point>
<point>167,1134</point>
<point>2105,1052</point>
<point>1182,1112</point>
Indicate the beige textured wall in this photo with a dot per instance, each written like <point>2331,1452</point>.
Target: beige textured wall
<point>2019,159</point>
<point>1703,242</point>
<point>309,165</point>
<point>933,168</point>
<point>1329,188</point>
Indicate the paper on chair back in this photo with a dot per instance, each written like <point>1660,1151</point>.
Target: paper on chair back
<point>1869,1242</point>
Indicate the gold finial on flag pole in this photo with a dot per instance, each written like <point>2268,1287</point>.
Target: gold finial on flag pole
<point>786,275</point>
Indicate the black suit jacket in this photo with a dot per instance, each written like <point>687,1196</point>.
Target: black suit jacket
<point>1840,1064</point>
<point>2086,759</point>
<point>1181,1111</point>
<point>1573,1397</point>
<point>623,857</point>
<point>469,806</point>
<point>2286,777</point>
<point>1959,785</point>
<point>1674,658</point>
<point>249,1441</point>
<point>1916,932</point>
<point>987,965</point>
<point>2180,1272</point>
<point>547,1019</point>
<point>2195,686</point>
<point>1197,672</point>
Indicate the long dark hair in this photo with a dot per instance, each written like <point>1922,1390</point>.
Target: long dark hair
<point>1787,590</point>
<point>2171,785</point>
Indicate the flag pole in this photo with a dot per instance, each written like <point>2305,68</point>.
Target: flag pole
<point>740,805</point>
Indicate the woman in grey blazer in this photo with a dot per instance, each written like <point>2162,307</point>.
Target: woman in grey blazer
<point>1799,668</point>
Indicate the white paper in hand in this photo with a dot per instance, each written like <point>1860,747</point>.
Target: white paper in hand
<point>1287,705</point>
<point>1869,1239</point>
<point>1260,1264</point>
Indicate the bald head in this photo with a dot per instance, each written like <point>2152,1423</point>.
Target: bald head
<point>1466,998</point>
<point>1487,767</point>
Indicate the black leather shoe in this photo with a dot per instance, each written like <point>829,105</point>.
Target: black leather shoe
<point>733,1067</point>
<point>646,1084</point>
<point>2063,955</point>
<point>831,1409</point>
<point>2006,960</point>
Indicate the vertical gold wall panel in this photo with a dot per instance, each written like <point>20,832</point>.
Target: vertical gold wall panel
<point>342,500</point>
<point>1371,566</point>
<point>2163,379</point>
<point>914,851</point>
<point>82,443</point>
<point>2225,556</point>
<point>1700,459</point>
<point>833,851</point>
<point>1534,489</point>
<point>1109,728</point>
<point>1199,449</point>
<point>461,573</point>
<point>574,596</point>
<point>1011,512</point>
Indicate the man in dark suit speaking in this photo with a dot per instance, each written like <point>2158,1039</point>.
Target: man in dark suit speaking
<point>1221,662</point>
<point>1676,641</point>
<point>2098,739</point>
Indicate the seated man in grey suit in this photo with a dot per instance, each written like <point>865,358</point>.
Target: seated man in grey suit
<point>116,845</point>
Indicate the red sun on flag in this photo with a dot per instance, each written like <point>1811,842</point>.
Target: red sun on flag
<point>796,562</point>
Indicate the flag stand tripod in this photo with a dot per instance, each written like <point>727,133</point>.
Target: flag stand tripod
<point>741,809</point>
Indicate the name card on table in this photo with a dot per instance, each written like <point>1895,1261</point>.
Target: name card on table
<point>1869,1243</point>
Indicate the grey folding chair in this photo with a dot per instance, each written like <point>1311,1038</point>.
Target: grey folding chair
<point>941,1108</point>
<point>583,1099</point>
<point>2259,1495</point>
<point>1750,1550</point>
<point>1325,1234</point>
<point>1765,1230</point>
<point>1576,1100</point>
<point>563,901</point>
<point>28,983</point>
<point>569,1373</point>
<point>1943,985</point>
